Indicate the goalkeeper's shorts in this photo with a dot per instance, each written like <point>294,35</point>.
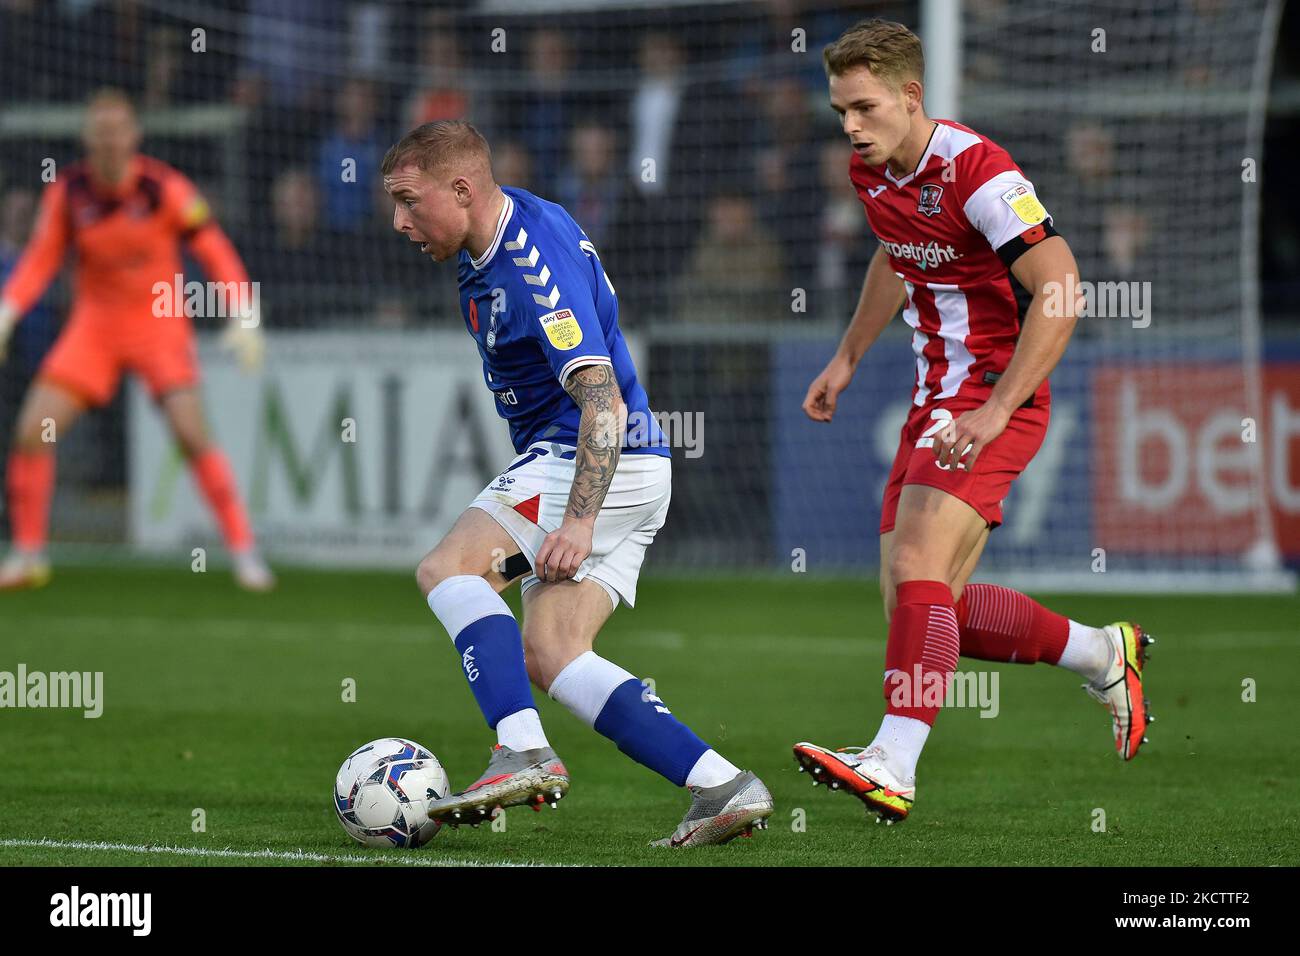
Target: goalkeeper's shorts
<point>93,351</point>
<point>529,498</point>
<point>998,464</point>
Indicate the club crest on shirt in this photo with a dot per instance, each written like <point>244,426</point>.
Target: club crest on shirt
<point>928,203</point>
<point>498,306</point>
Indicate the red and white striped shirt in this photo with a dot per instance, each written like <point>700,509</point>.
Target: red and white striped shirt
<point>951,229</point>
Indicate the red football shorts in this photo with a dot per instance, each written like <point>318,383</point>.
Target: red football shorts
<point>997,466</point>
<point>91,354</point>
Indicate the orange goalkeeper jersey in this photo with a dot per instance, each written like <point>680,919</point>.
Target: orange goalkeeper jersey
<point>126,238</point>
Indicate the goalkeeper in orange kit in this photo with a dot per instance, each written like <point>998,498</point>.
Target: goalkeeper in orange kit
<point>125,216</point>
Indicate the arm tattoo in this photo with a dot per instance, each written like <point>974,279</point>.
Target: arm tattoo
<point>600,437</point>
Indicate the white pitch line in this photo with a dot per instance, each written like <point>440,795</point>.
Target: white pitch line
<point>400,858</point>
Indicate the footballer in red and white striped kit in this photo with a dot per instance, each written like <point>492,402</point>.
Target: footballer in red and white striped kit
<point>959,224</point>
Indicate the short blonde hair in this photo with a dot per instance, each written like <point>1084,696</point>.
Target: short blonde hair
<point>440,146</point>
<point>889,50</point>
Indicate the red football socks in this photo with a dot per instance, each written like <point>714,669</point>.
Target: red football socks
<point>31,488</point>
<point>999,624</point>
<point>922,651</point>
<point>217,482</point>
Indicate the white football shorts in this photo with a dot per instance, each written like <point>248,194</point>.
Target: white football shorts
<point>530,495</point>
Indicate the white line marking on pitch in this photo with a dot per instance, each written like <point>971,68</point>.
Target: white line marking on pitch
<point>296,855</point>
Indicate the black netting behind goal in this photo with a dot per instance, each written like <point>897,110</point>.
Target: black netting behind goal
<point>695,145</point>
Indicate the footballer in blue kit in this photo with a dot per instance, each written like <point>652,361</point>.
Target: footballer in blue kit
<point>531,336</point>
<point>571,516</point>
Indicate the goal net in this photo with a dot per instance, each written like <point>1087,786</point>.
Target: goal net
<point>694,144</point>
<point>1141,125</point>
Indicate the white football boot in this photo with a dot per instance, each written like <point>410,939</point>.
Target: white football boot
<point>251,572</point>
<point>23,570</point>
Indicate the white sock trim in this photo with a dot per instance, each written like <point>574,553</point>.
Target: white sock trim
<point>585,685</point>
<point>461,600</point>
<point>711,770</point>
<point>1088,652</point>
<point>902,739</point>
<point>522,730</point>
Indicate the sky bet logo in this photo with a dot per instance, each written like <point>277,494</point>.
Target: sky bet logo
<point>75,908</point>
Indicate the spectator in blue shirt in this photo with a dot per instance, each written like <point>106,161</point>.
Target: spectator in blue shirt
<point>348,160</point>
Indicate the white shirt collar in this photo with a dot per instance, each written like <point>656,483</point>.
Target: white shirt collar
<point>935,135</point>
<point>507,210</point>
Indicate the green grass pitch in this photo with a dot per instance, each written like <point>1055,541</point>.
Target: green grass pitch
<point>232,703</point>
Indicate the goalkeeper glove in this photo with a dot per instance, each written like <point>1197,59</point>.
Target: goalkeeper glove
<point>8,319</point>
<point>243,337</point>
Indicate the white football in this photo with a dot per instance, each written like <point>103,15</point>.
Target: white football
<point>383,790</point>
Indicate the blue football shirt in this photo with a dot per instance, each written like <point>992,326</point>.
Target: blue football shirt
<point>539,306</point>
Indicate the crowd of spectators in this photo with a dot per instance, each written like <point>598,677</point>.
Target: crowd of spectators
<point>688,146</point>
<point>694,145</point>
